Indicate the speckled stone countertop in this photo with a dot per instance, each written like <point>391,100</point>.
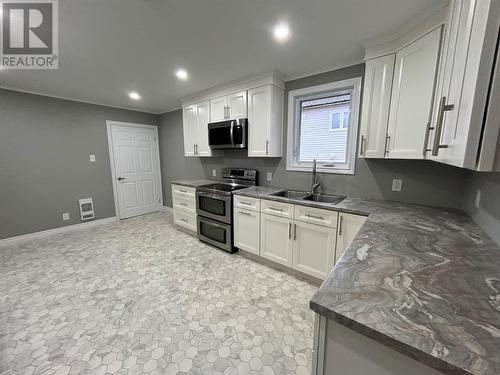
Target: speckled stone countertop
<point>193,183</point>
<point>424,281</point>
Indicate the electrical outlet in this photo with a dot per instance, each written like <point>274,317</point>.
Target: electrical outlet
<point>214,172</point>
<point>269,176</point>
<point>397,184</point>
<point>478,198</point>
<point>92,158</point>
<point>65,216</point>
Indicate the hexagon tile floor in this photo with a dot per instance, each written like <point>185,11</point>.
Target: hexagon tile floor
<point>139,296</point>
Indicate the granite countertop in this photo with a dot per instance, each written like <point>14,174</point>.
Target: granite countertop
<point>193,183</point>
<point>424,281</point>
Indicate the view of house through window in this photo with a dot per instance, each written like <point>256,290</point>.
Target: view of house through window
<point>324,129</point>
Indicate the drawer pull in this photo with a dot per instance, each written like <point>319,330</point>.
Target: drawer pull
<point>276,209</point>
<point>182,191</point>
<point>315,217</point>
<point>184,220</point>
<point>246,203</point>
<point>245,213</point>
<point>183,204</point>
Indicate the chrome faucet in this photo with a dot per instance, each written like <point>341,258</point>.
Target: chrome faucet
<point>314,183</point>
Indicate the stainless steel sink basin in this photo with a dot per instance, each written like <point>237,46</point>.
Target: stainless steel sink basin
<point>323,198</point>
<point>291,194</point>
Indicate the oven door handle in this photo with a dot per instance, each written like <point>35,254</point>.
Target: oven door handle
<point>231,132</point>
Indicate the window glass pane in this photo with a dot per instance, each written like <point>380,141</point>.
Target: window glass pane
<point>324,126</point>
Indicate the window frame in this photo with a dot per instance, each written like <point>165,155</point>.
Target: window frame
<point>352,86</point>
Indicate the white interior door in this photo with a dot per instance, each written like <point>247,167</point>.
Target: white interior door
<point>136,165</point>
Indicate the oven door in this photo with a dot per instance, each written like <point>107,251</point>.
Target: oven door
<point>214,206</point>
<point>215,233</point>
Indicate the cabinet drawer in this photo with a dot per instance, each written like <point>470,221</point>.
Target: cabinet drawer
<point>182,202</point>
<point>247,203</point>
<point>316,216</point>
<point>276,208</point>
<point>185,219</point>
<point>185,191</point>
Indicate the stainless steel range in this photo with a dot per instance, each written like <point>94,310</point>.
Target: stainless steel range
<point>214,206</point>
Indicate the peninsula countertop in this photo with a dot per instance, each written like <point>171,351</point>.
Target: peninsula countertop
<point>422,280</point>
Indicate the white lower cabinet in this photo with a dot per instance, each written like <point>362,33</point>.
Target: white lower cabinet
<point>184,205</point>
<point>276,239</point>
<point>313,249</point>
<point>247,230</point>
<point>348,228</point>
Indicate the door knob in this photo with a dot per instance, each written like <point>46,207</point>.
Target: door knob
<point>120,178</point>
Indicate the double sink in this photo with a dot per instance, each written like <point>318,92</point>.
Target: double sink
<point>301,195</point>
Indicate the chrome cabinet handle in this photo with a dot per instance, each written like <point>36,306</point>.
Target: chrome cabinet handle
<point>289,231</point>
<point>294,232</point>
<point>245,213</point>
<point>426,138</point>
<point>340,225</point>
<point>315,217</point>
<point>443,107</point>
<point>386,147</point>
<point>184,220</point>
<point>183,204</point>
<point>275,209</point>
<point>246,203</point>
<point>267,146</point>
<point>228,112</point>
<point>362,149</point>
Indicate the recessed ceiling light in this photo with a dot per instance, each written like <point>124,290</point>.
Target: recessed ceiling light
<point>181,74</point>
<point>281,32</point>
<point>134,95</point>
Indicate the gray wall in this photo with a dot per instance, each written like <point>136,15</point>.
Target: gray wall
<point>44,160</point>
<point>487,215</point>
<point>424,182</point>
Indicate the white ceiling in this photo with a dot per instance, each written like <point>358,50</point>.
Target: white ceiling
<point>110,47</point>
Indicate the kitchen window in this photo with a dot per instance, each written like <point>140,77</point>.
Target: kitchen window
<point>323,125</point>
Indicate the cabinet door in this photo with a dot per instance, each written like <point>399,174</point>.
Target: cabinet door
<point>313,249</point>
<point>376,100</point>
<point>275,239</point>
<point>237,104</point>
<point>247,230</point>
<point>202,118</point>
<point>259,120</point>
<point>218,109</point>
<point>189,126</point>
<point>412,97</point>
<point>349,226</point>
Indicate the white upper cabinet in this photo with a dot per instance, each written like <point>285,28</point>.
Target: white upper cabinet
<point>237,105</point>
<point>218,109</point>
<point>189,126</point>
<point>412,93</point>
<point>260,100</point>
<point>376,99</point>
<point>202,118</point>
<point>265,121</point>
<point>228,107</point>
<point>195,128</point>
<point>469,54</point>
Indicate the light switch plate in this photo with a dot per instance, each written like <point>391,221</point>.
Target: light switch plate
<point>65,216</point>
<point>92,158</point>
<point>477,201</point>
<point>214,172</point>
<point>269,176</point>
<point>397,184</point>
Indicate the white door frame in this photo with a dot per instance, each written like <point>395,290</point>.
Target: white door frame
<point>112,158</point>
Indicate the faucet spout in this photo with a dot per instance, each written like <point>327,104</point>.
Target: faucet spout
<point>314,182</point>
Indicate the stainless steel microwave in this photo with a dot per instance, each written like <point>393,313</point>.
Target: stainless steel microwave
<point>228,134</point>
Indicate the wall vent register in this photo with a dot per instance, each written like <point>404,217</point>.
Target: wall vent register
<point>86,208</point>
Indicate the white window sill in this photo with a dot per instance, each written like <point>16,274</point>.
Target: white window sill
<point>319,169</point>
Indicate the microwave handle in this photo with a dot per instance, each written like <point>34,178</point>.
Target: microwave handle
<point>231,132</point>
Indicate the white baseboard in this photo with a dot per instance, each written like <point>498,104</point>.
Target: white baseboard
<point>49,232</point>
<point>166,209</point>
